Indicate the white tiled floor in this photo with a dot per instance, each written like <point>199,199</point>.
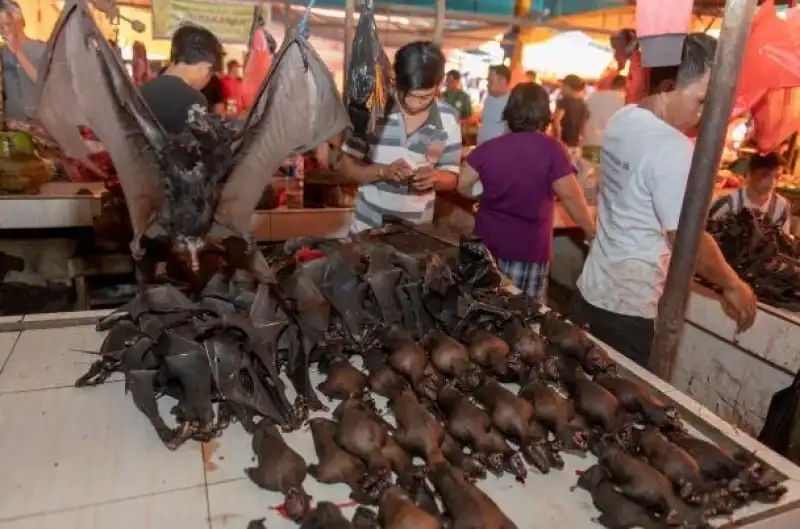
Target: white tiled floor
<point>87,459</point>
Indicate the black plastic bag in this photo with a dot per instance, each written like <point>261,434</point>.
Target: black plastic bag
<point>369,77</point>
<point>476,266</point>
<point>777,430</point>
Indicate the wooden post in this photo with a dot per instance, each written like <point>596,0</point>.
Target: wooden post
<point>349,32</point>
<point>700,185</point>
<point>521,9</point>
<point>438,30</point>
<point>3,51</point>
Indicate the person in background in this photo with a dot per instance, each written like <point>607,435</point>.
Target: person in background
<point>758,193</point>
<point>213,91</point>
<point>571,115</point>
<point>20,56</point>
<point>492,124</point>
<point>417,150</point>
<point>521,172</point>
<point>194,57</point>
<point>645,166</point>
<point>140,66</point>
<point>455,96</point>
<point>232,89</point>
<point>601,105</point>
<point>531,76</point>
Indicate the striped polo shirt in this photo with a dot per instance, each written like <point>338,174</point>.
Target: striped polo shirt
<point>441,132</point>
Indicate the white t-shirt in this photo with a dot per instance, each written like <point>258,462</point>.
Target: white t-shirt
<point>601,105</point>
<point>644,165</point>
<point>492,124</point>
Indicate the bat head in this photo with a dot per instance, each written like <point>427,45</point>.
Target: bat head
<point>194,164</point>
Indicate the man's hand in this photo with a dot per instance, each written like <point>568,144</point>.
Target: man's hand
<point>739,302</point>
<point>397,171</point>
<point>424,179</point>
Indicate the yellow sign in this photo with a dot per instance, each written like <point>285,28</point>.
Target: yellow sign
<point>230,21</point>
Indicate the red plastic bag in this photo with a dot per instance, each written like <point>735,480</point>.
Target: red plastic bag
<point>257,62</point>
<point>770,78</point>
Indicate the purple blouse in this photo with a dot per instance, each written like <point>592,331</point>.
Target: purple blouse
<point>517,171</point>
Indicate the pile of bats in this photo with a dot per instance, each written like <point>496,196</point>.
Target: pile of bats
<point>470,387</point>
<point>763,255</point>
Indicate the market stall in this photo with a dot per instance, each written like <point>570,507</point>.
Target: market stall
<point>46,415</point>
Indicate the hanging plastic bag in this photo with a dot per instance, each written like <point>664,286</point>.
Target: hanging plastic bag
<point>369,76</point>
<point>260,48</point>
<point>777,430</point>
<point>770,75</point>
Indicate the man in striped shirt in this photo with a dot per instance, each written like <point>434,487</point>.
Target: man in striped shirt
<point>415,151</point>
<point>758,193</point>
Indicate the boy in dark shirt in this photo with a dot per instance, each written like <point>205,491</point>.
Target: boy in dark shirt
<point>571,112</point>
<point>195,55</point>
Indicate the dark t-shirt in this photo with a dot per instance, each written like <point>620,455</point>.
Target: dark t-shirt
<point>575,115</point>
<point>170,99</point>
<point>214,92</point>
<point>517,171</point>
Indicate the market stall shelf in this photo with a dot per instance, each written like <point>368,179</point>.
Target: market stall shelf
<point>60,436</point>
<point>58,205</point>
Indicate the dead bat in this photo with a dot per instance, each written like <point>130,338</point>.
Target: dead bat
<point>200,188</point>
<point>280,469</point>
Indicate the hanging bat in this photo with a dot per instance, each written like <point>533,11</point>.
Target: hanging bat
<point>198,189</point>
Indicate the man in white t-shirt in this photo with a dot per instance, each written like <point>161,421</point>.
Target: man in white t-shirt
<point>758,193</point>
<point>602,104</point>
<point>645,163</point>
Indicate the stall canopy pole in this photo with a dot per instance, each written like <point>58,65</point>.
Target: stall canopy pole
<point>438,32</point>
<point>700,186</point>
<point>349,33</point>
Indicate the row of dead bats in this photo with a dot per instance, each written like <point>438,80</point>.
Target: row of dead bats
<point>762,254</point>
<point>445,397</point>
<point>447,387</point>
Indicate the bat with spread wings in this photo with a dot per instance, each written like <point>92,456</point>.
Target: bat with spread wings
<point>197,189</point>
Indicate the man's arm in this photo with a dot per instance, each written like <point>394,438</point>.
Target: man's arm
<point>467,179</point>
<point>667,185</point>
<point>449,164</point>
<point>353,164</point>
<point>27,66</point>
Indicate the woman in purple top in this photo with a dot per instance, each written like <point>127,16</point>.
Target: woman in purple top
<point>521,173</point>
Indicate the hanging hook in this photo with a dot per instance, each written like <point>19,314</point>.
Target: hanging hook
<point>302,27</point>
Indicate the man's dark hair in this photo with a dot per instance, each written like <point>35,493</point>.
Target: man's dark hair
<point>418,66</point>
<point>233,63</point>
<point>501,70</point>
<point>574,82</point>
<point>455,75</point>
<point>532,76</point>
<point>528,108</point>
<point>193,44</point>
<point>618,82</point>
<point>767,162</point>
<point>697,58</point>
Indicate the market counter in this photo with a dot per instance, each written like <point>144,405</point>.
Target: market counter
<point>735,375</point>
<point>548,498</point>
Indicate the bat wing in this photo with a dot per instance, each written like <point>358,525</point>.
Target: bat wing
<point>297,108</point>
<point>83,82</point>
